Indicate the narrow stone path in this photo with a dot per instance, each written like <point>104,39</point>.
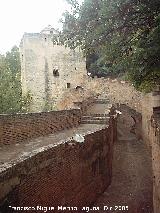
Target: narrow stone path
<point>131,187</point>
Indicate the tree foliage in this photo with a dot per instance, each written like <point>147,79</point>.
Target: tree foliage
<point>11,99</point>
<point>124,34</point>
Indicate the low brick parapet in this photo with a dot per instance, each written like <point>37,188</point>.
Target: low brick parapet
<point>64,167</point>
<point>17,128</point>
<point>67,172</point>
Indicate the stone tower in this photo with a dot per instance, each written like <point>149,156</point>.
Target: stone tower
<point>48,70</point>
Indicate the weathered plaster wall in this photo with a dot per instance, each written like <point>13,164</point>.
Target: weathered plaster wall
<point>39,57</point>
<point>20,127</point>
<point>70,174</point>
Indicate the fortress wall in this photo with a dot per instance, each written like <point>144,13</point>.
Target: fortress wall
<point>149,103</point>
<point>147,112</point>
<point>155,138</point>
<point>33,67</point>
<point>39,57</point>
<point>123,93</point>
<point>151,135</point>
<point>20,127</point>
<point>69,174</point>
<point>120,92</point>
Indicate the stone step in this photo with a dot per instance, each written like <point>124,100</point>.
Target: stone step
<point>94,121</point>
<point>123,139</point>
<point>96,115</point>
<point>101,101</point>
<point>95,118</point>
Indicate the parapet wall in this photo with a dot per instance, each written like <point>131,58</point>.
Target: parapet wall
<point>70,174</point>
<point>155,139</point>
<point>20,127</point>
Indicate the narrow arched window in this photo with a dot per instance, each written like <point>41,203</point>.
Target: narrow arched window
<point>68,85</point>
<point>55,73</point>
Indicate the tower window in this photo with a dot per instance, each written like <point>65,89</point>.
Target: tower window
<point>68,85</point>
<point>55,73</point>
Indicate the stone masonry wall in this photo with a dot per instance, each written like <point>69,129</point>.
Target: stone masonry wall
<point>20,127</point>
<point>149,102</point>
<point>84,105</point>
<point>131,119</point>
<point>120,92</point>
<point>155,139</point>
<point>151,134</point>
<point>70,174</point>
<point>39,60</point>
<point>147,112</point>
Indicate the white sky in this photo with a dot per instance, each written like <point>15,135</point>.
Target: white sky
<point>19,16</point>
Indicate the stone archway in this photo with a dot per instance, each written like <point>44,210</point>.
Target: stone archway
<point>130,121</point>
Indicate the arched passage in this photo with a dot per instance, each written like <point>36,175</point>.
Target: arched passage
<point>129,121</point>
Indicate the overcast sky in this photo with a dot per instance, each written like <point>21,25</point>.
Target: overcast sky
<point>19,16</point>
